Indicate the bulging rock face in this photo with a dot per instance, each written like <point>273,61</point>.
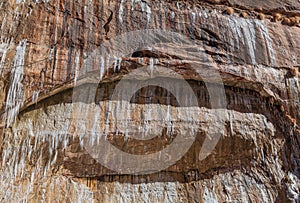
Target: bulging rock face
<point>193,101</point>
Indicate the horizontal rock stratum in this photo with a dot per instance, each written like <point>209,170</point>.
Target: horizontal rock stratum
<point>149,101</point>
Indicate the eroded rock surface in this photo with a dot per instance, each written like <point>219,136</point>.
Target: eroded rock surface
<point>58,93</point>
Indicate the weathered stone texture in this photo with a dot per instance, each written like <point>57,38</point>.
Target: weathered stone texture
<point>48,48</point>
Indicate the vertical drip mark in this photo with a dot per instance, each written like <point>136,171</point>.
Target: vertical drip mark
<point>119,64</point>
<point>15,96</point>
<point>151,66</point>
<point>2,27</point>
<point>265,33</point>
<point>76,67</point>
<point>56,42</point>
<point>107,62</point>
<point>35,96</point>
<point>228,35</point>
<point>235,33</point>
<point>180,23</point>
<point>3,49</point>
<point>115,63</point>
<point>145,8</point>
<point>121,12</point>
<point>250,39</point>
<point>193,16</point>
<point>101,67</point>
<point>243,31</point>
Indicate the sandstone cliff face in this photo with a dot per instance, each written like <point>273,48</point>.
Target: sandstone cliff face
<point>61,62</point>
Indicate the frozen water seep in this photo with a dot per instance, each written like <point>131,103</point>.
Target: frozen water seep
<point>35,96</point>
<point>3,50</point>
<point>293,89</point>
<point>243,30</point>
<point>117,62</point>
<point>206,13</point>
<point>76,68</point>
<point>144,6</point>
<point>209,194</point>
<point>51,54</point>
<point>265,33</point>
<point>15,96</point>
<point>2,25</point>
<point>151,66</point>
<point>121,11</point>
<point>107,62</point>
<point>249,32</point>
<point>293,187</point>
<point>193,17</point>
<point>102,67</point>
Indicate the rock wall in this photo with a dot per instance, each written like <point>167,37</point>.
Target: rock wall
<point>61,62</point>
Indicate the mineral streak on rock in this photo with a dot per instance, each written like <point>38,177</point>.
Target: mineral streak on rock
<point>48,47</point>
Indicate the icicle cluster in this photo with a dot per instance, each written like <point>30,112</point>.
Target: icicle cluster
<point>245,32</point>
<point>15,96</point>
<point>144,6</point>
<point>3,50</point>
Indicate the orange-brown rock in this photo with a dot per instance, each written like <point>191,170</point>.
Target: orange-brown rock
<point>58,95</point>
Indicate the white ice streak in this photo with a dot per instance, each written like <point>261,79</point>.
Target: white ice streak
<point>15,96</point>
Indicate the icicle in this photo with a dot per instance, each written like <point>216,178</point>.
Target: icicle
<point>107,62</point>
<point>121,12</point>
<point>200,14</point>
<point>15,95</point>
<point>94,129</point>
<point>147,9</point>
<point>172,15</point>
<point>100,129</point>
<point>151,66</point>
<point>55,157</point>
<point>101,67</point>
<point>3,157</point>
<point>107,117</point>
<point>230,115</point>
<point>76,68</point>
<point>193,17</point>
<point>115,63</point>
<point>132,4</point>
<point>50,57</point>
<point>119,63</point>
<point>35,96</point>
<point>208,193</point>
<point>3,22</point>
<point>168,119</point>
<point>3,50</point>
<point>206,13</point>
